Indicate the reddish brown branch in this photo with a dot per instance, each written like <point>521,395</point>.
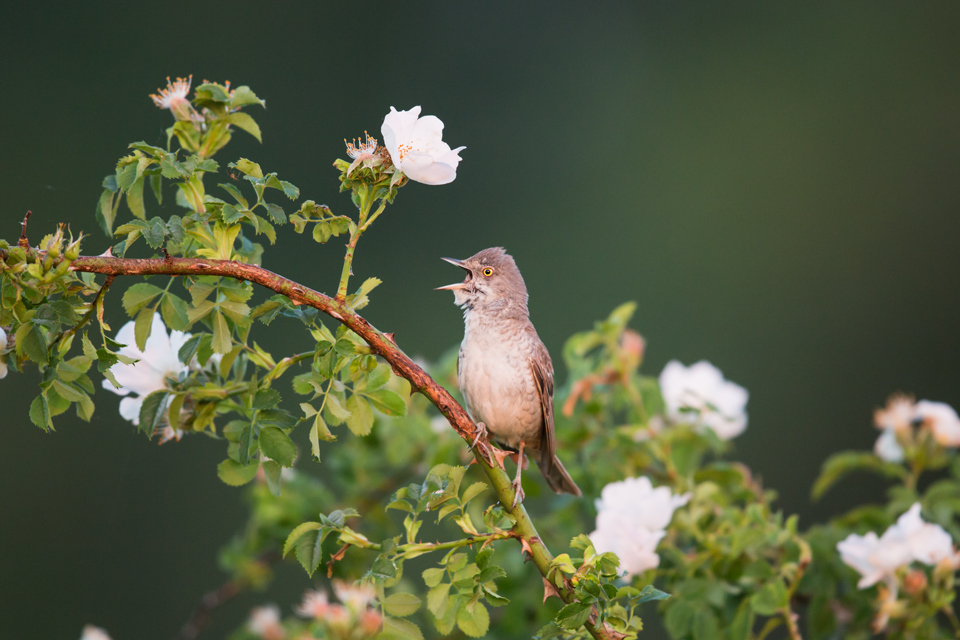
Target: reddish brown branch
<point>380,344</point>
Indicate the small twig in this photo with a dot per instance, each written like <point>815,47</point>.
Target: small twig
<point>89,314</point>
<point>23,231</point>
<point>210,601</point>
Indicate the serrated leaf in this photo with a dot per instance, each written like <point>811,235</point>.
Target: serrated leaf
<point>135,197</point>
<point>277,445</point>
<point>138,296</point>
<point>272,472</point>
<point>266,399</point>
<point>573,615</point>
<point>438,598</point>
<point>387,401</point>
<point>401,604</point>
<point>142,326</point>
<point>476,622</point>
<point>222,338</point>
<point>309,550</point>
<point>40,413</point>
<point>398,628</point>
<point>770,598</point>
<point>360,420</point>
<point>248,167</point>
<point>32,343</point>
<point>297,533</point>
<point>235,474</point>
<point>472,492</point>
<point>245,122</point>
<point>432,577</point>
<point>650,592</point>
<point>189,348</point>
<point>151,412</point>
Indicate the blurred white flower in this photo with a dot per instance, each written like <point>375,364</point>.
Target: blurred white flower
<point>3,339</point>
<point>355,595</point>
<point>887,448</point>
<point>3,347</point>
<point>265,622</point>
<point>942,421</point>
<point>157,361</point>
<point>174,97</point>
<point>91,632</point>
<point>898,415</point>
<point>417,148</point>
<point>440,425</point>
<point>910,539</point>
<point>315,605</point>
<point>721,405</point>
<point>632,518</point>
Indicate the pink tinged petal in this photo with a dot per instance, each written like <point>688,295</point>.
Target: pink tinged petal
<point>887,448</point>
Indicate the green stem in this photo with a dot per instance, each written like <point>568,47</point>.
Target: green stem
<point>425,547</point>
<point>366,202</point>
<point>89,314</point>
<point>772,624</point>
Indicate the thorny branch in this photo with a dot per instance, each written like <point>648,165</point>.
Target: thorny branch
<point>381,345</point>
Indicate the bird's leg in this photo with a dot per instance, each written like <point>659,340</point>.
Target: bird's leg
<point>482,434</point>
<point>517,488</point>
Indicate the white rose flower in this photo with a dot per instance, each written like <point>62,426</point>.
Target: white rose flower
<point>721,404</point>
<point>417,148</point>
<point>898,415</point>
<point>3,339</point>
<point>910,539</point>
<point>91,632</point>
<point>631,520</point>
<point>157,362</point>
<point>887,448</point>
<point>942,420</point>
<point>265,622</point>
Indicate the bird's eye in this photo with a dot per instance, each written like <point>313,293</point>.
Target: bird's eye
<point>488,272</point>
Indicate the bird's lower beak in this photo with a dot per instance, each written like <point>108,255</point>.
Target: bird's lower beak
<point>458,285</point>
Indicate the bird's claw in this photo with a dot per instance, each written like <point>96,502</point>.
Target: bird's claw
<point>482,434</point>
<point>518,494</point>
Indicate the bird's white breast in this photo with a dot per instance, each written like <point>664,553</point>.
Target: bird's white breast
<point>497,382</point>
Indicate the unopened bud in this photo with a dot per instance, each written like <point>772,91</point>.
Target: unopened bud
<point>915,582</point>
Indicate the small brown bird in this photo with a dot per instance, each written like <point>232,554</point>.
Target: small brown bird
<point>505,372</point>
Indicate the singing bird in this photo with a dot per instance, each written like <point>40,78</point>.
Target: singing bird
<point>505,371</point>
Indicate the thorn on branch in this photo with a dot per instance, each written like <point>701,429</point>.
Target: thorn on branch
<point>166,254</point>
<point>333,559</point>
<point>23,231</point>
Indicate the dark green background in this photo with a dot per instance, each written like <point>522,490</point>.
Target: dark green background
<point>777,186</point>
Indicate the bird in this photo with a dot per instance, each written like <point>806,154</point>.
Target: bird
<point>504,369</point>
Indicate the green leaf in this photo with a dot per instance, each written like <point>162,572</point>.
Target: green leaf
<point>189,348</point>
<point>32,343</point>
<point>151,412</point>
<point>266,399</point>
<point>222,338</point>
<point>174,312</point>
<point>438,597</point>
<point>235,474</point>
<point>272,471</point>
<point>476,622</point>
<point>318,432</point>
<point>309,550</point>
<point>243,96</point>
<point>278,446</point>
<point>401,604</point>
<point>473,491</point>
<point>248,167</point>
<point>573,615</point>
<point>742,625</point>
<point>155,234</point>
<point>40,413</point>
<point>705,625</point>
<point>387,401</point>
<point>397,628</point>
<point>360,420</point>
<point>432,577</point>
<point>135,199</point>
<point>138,296</point>
<point>245,122</point>
<point>141,328</point>
<point>772,597</point>
<point>840,464</point>
<point>297,533</point>
<point>652,593</point>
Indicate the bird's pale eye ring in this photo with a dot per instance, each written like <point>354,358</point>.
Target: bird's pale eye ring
<point>488,272</point>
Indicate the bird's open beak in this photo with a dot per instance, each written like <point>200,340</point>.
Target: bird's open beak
<point>458,285</point>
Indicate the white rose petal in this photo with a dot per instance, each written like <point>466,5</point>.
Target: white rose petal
<point>887,448</point>
<point>3,339</point>
<point>631,520</point>
<point>699,394</point>
<point>91,632</point>
<point>942,420</point>
<point>417,148</point>
<point>157,362</point>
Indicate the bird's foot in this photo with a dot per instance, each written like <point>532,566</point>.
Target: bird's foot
<point>518,494</point>
<point>482,434</point>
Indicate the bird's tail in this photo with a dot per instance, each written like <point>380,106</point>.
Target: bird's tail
<point>557,477</point>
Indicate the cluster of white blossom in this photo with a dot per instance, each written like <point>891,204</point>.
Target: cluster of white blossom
<point>699,395</point>
<point>896,421</point>
<point>353,612</point>
<point>909,540</point>
<point>156,364</point>
<point>632,518</point>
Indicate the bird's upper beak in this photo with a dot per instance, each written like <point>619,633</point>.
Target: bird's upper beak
<point>458,285</point>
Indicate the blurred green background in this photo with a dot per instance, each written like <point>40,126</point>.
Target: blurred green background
<point>775,184</point>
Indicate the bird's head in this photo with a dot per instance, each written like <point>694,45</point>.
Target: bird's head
<point>493,281</point>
